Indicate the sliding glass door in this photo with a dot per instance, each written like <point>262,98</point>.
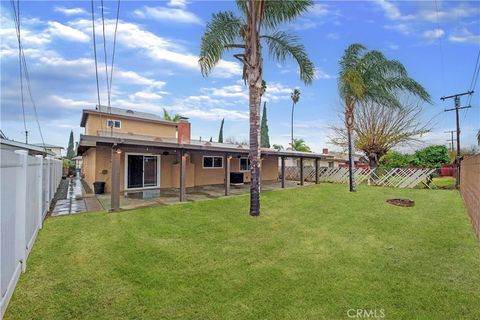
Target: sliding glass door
<point>142,171</point>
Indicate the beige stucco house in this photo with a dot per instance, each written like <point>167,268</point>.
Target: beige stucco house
<point>155,153</point>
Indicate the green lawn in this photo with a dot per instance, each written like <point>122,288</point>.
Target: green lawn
<point>315,253</point>
<point>444,182</point>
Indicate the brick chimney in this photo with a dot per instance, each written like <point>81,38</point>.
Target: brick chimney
<point>325,150</point>
<point>183,134</point>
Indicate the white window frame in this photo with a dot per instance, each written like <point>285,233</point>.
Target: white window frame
<point>126,170</point>
<point>240,164</point>
<point>114,123</point>
<point>213,162</point>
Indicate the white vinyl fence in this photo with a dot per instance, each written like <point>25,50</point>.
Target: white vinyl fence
<point>28,185</point>
<point>396,177</point>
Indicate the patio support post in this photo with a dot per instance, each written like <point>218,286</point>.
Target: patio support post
<point>183,164</point>
<point>316,170</point>
<point>283,171</point>
<point>115,192</point>
<point>227,158</point>
<point>301,171</point>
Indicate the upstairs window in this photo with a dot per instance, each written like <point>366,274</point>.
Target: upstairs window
<point>210,162</point>
<point>114,124</point>
<point>244,164</point>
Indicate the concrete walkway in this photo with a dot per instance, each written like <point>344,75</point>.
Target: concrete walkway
<point>76,201</point>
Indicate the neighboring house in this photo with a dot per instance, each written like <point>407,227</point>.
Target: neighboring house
<point>33,150</point>
<point>78,162</point>
<point>154,153</point>
<point>340,159</point>
<point>56,150</point>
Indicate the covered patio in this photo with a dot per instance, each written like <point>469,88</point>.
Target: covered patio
<point>182,192</point>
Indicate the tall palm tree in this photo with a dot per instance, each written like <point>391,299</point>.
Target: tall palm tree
<point>369,76</point>
<point>171,117</point>
<point>246,33</point>
<point>295,98</point>
<point>300,145</point>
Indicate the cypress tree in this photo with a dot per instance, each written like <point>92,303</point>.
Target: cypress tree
<point>220,134</point>
<point>264,139</point>
<point>70,151</point>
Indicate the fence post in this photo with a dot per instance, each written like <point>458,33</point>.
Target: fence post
<point>40,192</point>
<point>21,207</point>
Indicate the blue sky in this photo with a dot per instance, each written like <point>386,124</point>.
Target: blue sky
<point>157,49</point>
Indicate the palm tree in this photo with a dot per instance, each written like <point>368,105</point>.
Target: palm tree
<point>300,145</point>
<point>171,117</point>
<point>295,97</point>
<point>255,26</point>
<point>277,147</point>
<point>369,76</point>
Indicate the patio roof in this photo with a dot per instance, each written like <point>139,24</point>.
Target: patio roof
<point>139,141</point>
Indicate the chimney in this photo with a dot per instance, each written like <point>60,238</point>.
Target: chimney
<point>183,134</point>
<point>325,150</point>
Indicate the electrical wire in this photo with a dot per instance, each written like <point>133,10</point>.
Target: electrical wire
<point>105,56</point>
<point>113,52</point>
<point>95,54</point>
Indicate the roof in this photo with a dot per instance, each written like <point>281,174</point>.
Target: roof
<point>125,114</point>
<point>25,146</point>
<point>46,145</point>
<point>132,140</point>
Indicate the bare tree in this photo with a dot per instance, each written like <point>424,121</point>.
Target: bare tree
<point>379,128</point>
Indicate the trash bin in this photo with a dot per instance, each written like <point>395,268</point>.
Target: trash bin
<point>99,187</point>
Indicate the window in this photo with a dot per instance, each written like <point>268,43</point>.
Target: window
<point>330,164</point>
<point>212,162</point>
<point>244,164</point>
<point>114,123</point>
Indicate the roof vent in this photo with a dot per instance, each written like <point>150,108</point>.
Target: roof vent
<point>130,111</point>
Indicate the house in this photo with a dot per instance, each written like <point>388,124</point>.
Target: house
<point>340,159</point>
<point>33,150</point>
<point>55,150</point>
<point>150,152</point>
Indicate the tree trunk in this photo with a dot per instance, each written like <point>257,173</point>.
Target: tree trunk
<point>351,164</point>
<point>293,106</point>
<point>254,79</point>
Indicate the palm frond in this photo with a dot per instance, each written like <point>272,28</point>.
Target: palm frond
<point>221,31</point>
<point>278,12</point>
<point>282,45</point>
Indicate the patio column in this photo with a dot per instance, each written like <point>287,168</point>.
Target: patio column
<point>301,171</point>
<point>283,171</point>
<point>316,170</point>
<point>183,164</point>
<point>227,173</point>
<point>115,192</point>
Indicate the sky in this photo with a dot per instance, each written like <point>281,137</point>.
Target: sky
<point>156,67</point>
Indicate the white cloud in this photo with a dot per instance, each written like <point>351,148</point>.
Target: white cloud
<point>462,11</point>
<point>216,114</point>
<point>333,36</point>
<point>69,11</point>
<point>56,29</point>
<point>177,3</point>
<point>432,35</point>
<point>67,103</point>
<point>392,11</point>
<point>404,28</point>
<point>465,36</point>
<point>319,9</point>
<point>168,14</point>
<point>320,74</point>
<point>157,48</point>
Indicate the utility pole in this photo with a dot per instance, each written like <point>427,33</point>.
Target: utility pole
<point>457,107</point>
<point>26,137</point>
<point>451,139</point>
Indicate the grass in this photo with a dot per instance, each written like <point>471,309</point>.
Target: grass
<point>444,182</point>
<point>315,252</point>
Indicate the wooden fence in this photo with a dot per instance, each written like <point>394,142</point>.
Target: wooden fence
<point>470,189</point>
<point>27,186</point>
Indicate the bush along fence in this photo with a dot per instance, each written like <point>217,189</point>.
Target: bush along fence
<point>28,184</point>
<point>470,189</point>
<point>395,177</point>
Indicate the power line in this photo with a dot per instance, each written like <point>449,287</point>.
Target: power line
<point>105,56</point>
<point>16,18</point>
<point>114,45</point>
<point>95,54</point>
<point>473,83</point>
